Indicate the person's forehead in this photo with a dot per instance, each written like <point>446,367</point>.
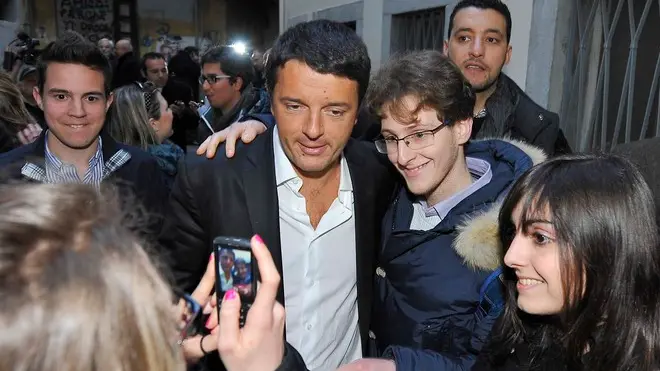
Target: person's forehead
<point>155,63</point>
<point>295,72</point>
<point>58,76</point>
<point>212,68</point>
<point>478,19</point>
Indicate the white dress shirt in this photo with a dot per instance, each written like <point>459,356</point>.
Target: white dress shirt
<point>319,270</point>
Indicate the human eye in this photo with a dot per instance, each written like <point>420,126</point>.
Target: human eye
<point>463,38</point>
<point>492,40</point>
<point>540,238</point>
<point>336,112</point>
<point>60,96</point>
<point>293,106</point>
<point>93,99</point>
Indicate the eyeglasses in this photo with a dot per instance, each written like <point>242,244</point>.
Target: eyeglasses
<point>418,140</point>
<point>212,79</point>
<point>188,310</point>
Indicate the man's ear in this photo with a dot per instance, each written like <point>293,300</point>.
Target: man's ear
<point>238,83</point>
<point>111,98</point>
<point>445,48</point>
<point>507,56</point>
<point>36,94</point>
<point>462,130</point>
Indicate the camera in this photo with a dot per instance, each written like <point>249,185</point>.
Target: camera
<point>25,47</point>
<point>28,46</point>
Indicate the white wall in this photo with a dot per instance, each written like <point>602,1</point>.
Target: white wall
<point>376,27</point>
<point>294,8</point>
<point>521,20</point>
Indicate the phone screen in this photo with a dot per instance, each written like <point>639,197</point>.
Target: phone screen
<point>235,268</point>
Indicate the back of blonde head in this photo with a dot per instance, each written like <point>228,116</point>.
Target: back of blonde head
<point>78,292</point>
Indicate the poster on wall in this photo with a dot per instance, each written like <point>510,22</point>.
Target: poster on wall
<point>92,19</point>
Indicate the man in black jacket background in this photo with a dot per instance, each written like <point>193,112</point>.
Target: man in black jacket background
<point>479,43</point>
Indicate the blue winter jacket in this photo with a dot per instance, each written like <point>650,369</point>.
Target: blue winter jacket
<point>428,282</point>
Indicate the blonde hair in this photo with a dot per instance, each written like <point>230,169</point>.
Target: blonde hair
<point>78,291</point>
<point>13,113</point>
<point>132,108</point>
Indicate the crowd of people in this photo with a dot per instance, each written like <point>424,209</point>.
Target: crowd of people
<point>429,216</point>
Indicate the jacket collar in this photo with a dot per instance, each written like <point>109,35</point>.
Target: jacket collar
<point>114,157</point>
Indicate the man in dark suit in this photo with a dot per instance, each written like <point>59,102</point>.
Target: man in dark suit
<point>314,195</point>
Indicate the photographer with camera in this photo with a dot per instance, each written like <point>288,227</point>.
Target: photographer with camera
<point>21,51</point>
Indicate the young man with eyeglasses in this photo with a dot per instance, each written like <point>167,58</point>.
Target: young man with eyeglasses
<point>226,80</point>
<point>440,253</point>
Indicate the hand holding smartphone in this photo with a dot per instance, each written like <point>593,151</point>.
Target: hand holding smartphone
<point>235,269</point>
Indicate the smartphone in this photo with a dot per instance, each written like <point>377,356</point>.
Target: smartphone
<point>235,268</point>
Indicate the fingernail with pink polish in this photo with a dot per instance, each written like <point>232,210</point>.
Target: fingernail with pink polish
<point>230,295</point>
<point>258,238</point>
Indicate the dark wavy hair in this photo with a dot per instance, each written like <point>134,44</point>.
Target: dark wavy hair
<point>325,46</point>
<point>604,217</point>
<point>72,48</point>
<point>427,75</point>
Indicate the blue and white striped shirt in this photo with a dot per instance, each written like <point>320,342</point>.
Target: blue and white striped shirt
<point>58,172</point>
<point>55,171</point>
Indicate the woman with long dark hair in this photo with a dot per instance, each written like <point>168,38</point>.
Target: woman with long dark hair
<point>583,270</point>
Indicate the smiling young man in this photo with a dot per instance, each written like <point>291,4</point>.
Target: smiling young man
<point>478,42</point>
<point>74,149</point>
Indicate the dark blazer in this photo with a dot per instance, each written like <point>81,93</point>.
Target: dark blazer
<point>238,197</point>
<point>139,178</point>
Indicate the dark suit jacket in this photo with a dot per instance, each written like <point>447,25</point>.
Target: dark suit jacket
<point>238,197</point>
<point>178,90</point>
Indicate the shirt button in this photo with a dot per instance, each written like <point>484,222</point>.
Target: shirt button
<point>309,327</point>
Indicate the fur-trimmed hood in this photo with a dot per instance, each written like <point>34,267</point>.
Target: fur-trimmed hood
<point>478,240</point>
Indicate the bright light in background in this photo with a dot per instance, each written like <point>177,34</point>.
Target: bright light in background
<point>239,47</point>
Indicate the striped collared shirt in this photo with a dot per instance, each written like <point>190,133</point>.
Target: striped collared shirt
<point>55,171</point>
<point>59,172</point>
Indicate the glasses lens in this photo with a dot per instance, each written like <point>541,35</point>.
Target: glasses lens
<point>381,145</point>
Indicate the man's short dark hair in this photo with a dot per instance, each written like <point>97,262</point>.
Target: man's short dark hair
<point>191,50</point>
<point>327,47</point>
<point>72,48</point>
<point>149,56</point>
<point>496,5</point>
<point>232,63</point>
<point>427,75</point>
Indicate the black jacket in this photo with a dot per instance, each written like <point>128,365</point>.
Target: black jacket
<point>127,70</point>
<point>175,90</point>
<point>139,178</point>
<point>521,357</point>
<point>510,112</point>
<point>238,197</point>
